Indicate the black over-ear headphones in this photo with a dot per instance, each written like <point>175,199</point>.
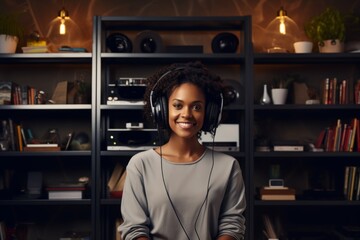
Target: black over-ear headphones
<point>159,108</point>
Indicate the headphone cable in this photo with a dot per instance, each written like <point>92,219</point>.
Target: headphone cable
<point>167,192</point>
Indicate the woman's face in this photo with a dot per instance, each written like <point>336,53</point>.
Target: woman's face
<point>186,110</point>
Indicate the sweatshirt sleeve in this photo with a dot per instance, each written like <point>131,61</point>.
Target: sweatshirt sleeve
<point>134,205</point>
<point>231,218</point>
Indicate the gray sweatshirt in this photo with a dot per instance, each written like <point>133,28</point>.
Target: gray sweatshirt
<point>190,206</point>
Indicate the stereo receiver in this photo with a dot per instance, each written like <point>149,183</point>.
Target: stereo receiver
<point>126,91</point>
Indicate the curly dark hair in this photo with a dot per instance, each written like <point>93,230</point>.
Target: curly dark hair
<point>163,82</point>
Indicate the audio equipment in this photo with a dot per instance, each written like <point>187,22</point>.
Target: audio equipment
<point>159,107</point>
<point>126,91</point>
<point>118,42</point>
<point>131,139</point>
<point>226,139</point>
<point>148,42</point>
<point>225,43</point>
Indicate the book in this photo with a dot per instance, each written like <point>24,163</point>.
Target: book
<point>269,229</point>
<point>34,145</point>
<point>115,176</point>
<point>278,197</point>
<point>288,148</point>
<point>285,193</point>
<point>278,191</point>
<point>65,194</point>
<point>72,49</point>
<point>41,149</point>
<point>354,124</point>
<point>319,143</point>
<point>19,138</point>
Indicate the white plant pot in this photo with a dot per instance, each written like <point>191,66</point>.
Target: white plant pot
<point>279,95</point>
<point>331,46</point>
<point>303,47</point>
<point>8,43</point>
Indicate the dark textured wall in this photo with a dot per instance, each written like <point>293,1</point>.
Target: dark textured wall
<point>41,15</point>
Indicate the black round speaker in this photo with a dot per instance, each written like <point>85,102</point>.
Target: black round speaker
<point>148,42</point>
<point>118,42</point>
<point>225,43</point>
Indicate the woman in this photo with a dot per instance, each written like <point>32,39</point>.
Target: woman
<point>183,190</point>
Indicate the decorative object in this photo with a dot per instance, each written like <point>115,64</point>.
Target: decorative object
<point>233,92</point>
<point>11,31</point>
<point>282,32</point>
<point>329,25</point>
<point>82,93</point>
<point>118,42</point>
<point>303,47</point>
<point>225,43</point>
<point>279,95</point>
<point>331,46</point>
<point>148,42</point>
<point>280,87</point>
<point>63,15</point>
<point>265,99</point>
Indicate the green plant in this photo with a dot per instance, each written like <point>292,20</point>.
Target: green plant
<point>284,81</point>
<point>82,87</point>
<point>329,25</point>
<point>10,25</point>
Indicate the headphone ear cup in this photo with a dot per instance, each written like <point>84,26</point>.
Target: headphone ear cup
<point>164,113</point>
<point>212,115</point>
<point>160,112</point>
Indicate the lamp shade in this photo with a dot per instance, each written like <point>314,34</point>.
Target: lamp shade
<point>281,33</point>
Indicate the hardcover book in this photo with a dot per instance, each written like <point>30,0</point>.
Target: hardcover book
<point>285,193</point>
<point>66,191</point>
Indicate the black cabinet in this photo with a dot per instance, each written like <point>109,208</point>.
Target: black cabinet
<point>317,177</point>
<point>125,57</point>
<point>25,207</point>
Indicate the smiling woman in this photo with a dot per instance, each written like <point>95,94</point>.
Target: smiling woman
<point>202,194</point>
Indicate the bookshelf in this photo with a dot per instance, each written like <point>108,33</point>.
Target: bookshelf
<point>186,33</point>
<point>24,175</point>
<point>318,177</point>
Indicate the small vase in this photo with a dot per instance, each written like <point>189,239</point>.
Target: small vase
<point>265,99</point>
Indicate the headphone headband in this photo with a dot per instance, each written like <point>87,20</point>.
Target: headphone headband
<point>159,107</point>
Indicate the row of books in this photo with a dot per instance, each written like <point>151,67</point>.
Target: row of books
<point>116,181</point>
<point>15,94</point>
<point>66,191</point>
<point>352,183</point>
<point>341,137</point>
<point>277,193</point>
<point>335,91</point>
<point>16,138</point>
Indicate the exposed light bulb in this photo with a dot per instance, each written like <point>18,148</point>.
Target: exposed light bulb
<point>62,29</point>
<point>282,27</point>
<point>63,15</point>
<point>282,14</point>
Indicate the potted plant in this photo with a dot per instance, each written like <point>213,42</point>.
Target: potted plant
<point>82,92</point>
<point>11,31</point>
<point>327,29</point>
<point>280,88</point>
